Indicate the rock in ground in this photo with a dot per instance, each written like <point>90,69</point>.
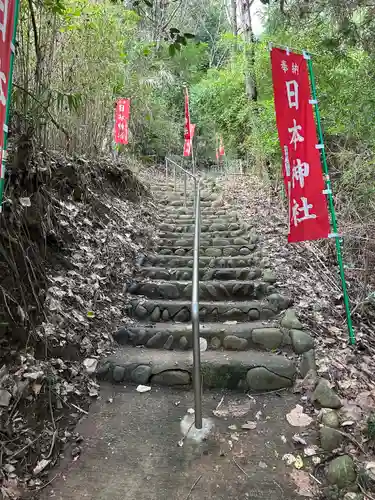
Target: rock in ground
<point>118,373</point>
<point>261,379</point>
<point>330,438</point>
<point>141,374</point>
<point>269,338</point>
<point>269,276</point>
<point>301,341</point>
<point>290,320</point>
<point>172,377</point>
<point>325,396</point>
<point>341,471</point>
<point>307,362</point>
<point>330,418</point>
<point>235,343</point>
<point>215,343</point>
<point>183,343</point>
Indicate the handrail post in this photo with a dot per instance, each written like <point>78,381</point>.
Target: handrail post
<point>193,159</point>
<point>197,378</point>
<point>185,189</point>
<point>166,171</point>
<point>175,177</point>
<point>197,383</point>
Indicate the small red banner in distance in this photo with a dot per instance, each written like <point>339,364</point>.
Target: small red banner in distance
<point>187,132</point>
<point>187,143</point>
<point>221,148</point>
<point>187,148</point>
<point>122,115</point>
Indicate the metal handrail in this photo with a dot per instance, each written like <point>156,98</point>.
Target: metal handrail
<point>197,383</point>
<point>186,172</point>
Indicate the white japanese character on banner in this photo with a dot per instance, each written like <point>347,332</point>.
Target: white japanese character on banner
<point>286,161</point>
<point>296,136</point>
<point>121,106</point>
<point>300,171</point>
<point>292,92</point>
<point>121,126</point>
<point>304,210</point>
<point>121,118</point>
<point>295,69</point>
<point>284,66</point>
<point>3,81</point>
<point>3,24</point>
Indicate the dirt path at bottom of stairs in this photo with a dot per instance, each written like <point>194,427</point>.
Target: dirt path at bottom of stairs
<point>132,449</point>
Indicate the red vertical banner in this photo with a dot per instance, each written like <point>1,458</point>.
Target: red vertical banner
<point>187,136</point>
<point>122,115</point>
<point>221,147</point>
<point>187,148</point>
<point>302,170</point>
<point>188,142</point>
<point>7,12</point>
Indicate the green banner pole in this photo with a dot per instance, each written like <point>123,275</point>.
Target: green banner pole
<point>9,95</point>
<point>331,205</point>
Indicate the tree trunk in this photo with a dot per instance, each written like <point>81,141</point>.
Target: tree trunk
<point>250,83</point>
<point>234,23</point>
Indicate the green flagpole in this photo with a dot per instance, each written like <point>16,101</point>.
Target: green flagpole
<point>9,95</point>
<point>331,204</point>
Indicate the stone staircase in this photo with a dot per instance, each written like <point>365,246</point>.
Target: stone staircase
<point>252,343</point>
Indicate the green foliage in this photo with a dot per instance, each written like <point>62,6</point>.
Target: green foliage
<point>102,54</point>
<point>343,57</point>
<point>90,54</point>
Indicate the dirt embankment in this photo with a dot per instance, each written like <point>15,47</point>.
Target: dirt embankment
<point>69,237</point>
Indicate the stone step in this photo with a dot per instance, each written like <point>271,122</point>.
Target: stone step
<point>208,290</point>
<point>221,229</point>
<point>185,220</point>
<point>188,213</point>
<point>244,233</point>
<point>170,188</point>
<point>179,196</point>
<point>246,370</point>
<point>227,251</point>
<point>207,241</point>
<point>167,190</point>
<point>176,261</point>
<point>163,191</point>
<point>185,273</point>
<point>164,185</point>
<point>179,310</point>
<point>180,204</point>
<point>206,195</point>
<point>231,337</point>
<point>161,197</point>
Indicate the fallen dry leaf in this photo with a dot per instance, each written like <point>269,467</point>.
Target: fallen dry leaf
<point>40,466</point>
<point>366,400</point>
<point>233,410</point>
<point>305,486</point>
<point>249,426</point>
<point>297,418</point>
<point>143,388</point>
<point>10,490</point>
<point>298,463</point>
<point>310,451</point>
<point>298,439</point>
<point>289,459</point>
